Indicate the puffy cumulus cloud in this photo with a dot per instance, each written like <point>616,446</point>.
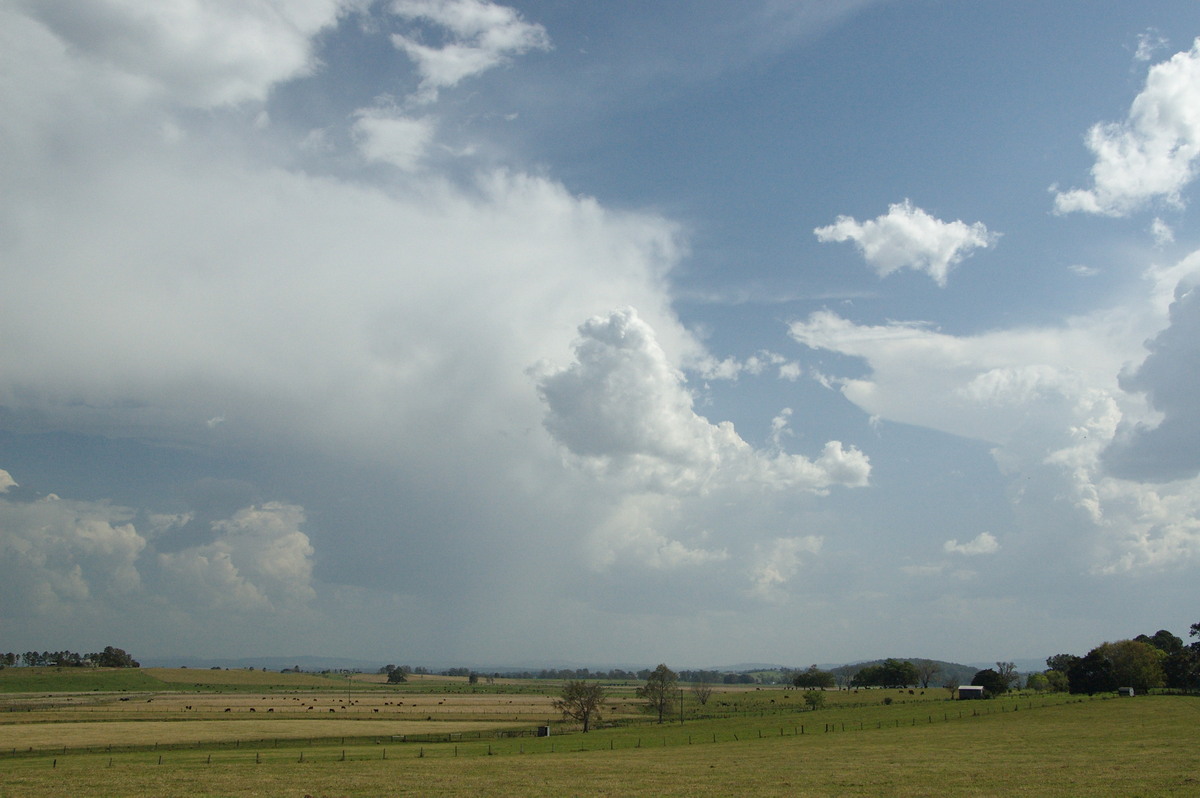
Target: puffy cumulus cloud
<point>259,561</point>
<point>1151,154</point>
<point>58,555</point>
<point>7,483</point>
<point>623,408</point>
<point>1170,378</point>
<point>197,53</point>
<point>984,543</point>
<point>907,237</point>
<point>480,35</point>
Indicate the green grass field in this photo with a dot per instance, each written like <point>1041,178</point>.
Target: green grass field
<point>455,741</point>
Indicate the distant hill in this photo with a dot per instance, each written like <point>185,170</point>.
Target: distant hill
<point>947,670</point>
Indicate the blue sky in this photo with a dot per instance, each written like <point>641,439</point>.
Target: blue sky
<point>439,331</point>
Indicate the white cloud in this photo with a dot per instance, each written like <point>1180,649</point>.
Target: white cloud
<point>1162,232</point>
<point>635,533</point>
<point>984,543</point>
<point>385,136</point>
<point>907,237</point>
<point>56,553</point>
<point>1149,42</point>
<point>1067,431</point>
<point>198,53</point>
<point>1151,154</point>
<point>259,561</point>
<point>1169,447</point>
<point>7,483</point>
<point>779,560</point>
<point>482,36</point>
<point>623,409</point>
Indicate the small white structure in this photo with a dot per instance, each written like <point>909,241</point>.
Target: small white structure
<point>1125,692</point>
<point>968,692</point>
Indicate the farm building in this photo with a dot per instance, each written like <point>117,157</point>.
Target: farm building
<point>1125,692</point>
<point>969,691</point>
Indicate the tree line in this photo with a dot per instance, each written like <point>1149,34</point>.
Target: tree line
<point>1143,663</point>
<point>110,657</point>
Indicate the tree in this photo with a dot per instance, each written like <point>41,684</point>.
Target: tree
<point>1135,664</point>
<point>112,657</point>
<point>926,670</point>
<point>992,682</point>
<point>1008,672</point>
<point>1038,682</point>
<point>814,677</point>
<point>951,684</point>
<point>703,691</point>
<point>582,701</point>
<point>1057,681</point>
<point>1163,640</point>
<point>396,676</point>
<point>1181,670</point>
<point>659,690</point>
<point>1092,674</point>
<point>889,673</point>
<point>1061,662</point>
<point>814,698</point>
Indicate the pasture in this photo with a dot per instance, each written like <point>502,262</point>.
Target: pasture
<point>445,737</point>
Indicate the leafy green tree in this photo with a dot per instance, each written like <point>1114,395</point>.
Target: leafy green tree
<point>1135,664</point>
<point>112,657</point>
<point>1038,682</point>
<point>992,682</point>
<point>815,699</point>
<point>1092,674</point>
<point>889,673</point>
<point>814,677</point>
<point>659,690</point>
<point>582,701</point>
<point>1057,681</point>
<point>1061,662</point>
<point>1181,670</point>
<point>1163,640</point>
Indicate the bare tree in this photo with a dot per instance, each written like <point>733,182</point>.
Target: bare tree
<point>1008,672</point>
<point>582,701</point>
<point>951,684</point>
<point>703,691</point>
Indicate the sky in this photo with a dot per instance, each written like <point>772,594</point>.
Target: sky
<point>460,332</point>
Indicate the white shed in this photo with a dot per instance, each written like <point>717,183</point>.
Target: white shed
<point>967,692</point>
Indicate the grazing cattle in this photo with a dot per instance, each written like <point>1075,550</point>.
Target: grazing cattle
<point>272,709</point>
<point>227,709</point>
<point>252,709</point>
<point>374,710</point>
<point>331,709</point>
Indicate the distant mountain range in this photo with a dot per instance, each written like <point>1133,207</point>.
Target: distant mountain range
<point>963,672</point>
